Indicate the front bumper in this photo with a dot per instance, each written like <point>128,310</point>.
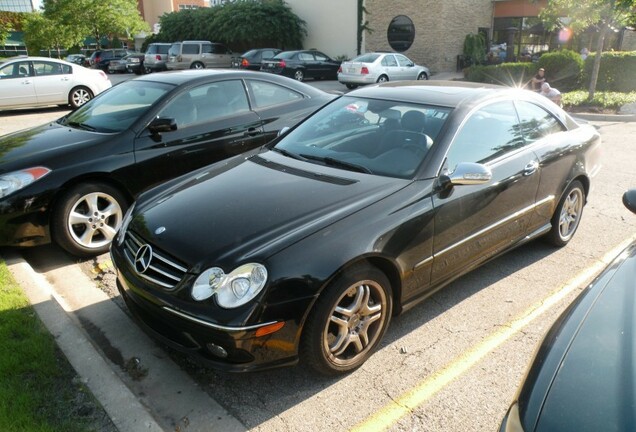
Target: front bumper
<point>24,221</point>
<point>229,347</point>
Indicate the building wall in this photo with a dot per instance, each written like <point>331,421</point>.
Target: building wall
<point>331,25</point>
<point>440,27</point>
<point>17,5</point>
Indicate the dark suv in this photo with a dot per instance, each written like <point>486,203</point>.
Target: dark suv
<point>100,59</point>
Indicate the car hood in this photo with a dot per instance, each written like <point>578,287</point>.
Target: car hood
<point>37,145</point>
<point>249,210</point>
<point>594,378</point>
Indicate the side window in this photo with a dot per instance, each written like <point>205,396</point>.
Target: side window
<point>190,49</point>
<point>219,49</point>
<point>50,68</point>
<point>535,122</point>
<point>305,57</point>
<point>219,99</point>
<point>267,94</point>
<point>487,134</point>
<point>182,109</point>
<point>320,56</point>
<point>208,49</point>
<point>389,61</point>
<point>403,61</point>
<point>14,70</point>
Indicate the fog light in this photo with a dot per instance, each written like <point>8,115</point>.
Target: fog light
<point>217,350</point>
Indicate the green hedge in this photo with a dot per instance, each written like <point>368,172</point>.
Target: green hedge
<point>616,73</point>
<point>562,69</point>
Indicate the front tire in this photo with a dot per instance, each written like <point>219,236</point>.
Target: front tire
<point>422,76</point>
<point>351,86</point>
<point>567,215</point>
<point>79,96</point>
<point>299,75</point>
<point>348,321</point>
<point>87,217</point>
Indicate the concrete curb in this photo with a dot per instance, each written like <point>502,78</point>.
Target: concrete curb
<point>120,404</point>
<point>604,117</point>
<point>136,382</point>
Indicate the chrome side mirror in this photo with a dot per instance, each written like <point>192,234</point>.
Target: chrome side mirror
<point>629,200</point>
<point>468,173</point>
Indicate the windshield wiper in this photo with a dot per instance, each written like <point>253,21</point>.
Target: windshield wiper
<point>338,163</point>
<point>288,154</point>
<point>81,126</point>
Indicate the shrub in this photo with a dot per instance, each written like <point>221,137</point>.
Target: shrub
<point>606,100</point>
<point>509,74</point>
<point>562,69</point>
<point>613,74</point>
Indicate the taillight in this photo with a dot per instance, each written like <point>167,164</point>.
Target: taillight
<point>245,63</point>
<point>339,69</point>
<point>282,63</point>
<point>158,57</point>
<point>364,70</point>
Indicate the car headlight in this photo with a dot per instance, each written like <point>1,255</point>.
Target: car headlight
<point>233,289</point>
<point>121,234</point>
<point>16,180</point>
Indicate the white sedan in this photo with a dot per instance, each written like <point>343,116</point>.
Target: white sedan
<point>378,67</point>
<point>40,81</point>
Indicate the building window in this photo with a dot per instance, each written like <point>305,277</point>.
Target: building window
<point>187,7</point>
<point>16,6</point>
<point>401,33</point>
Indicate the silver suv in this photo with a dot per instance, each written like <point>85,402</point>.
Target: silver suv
<point>156,57</point>
<point>198,55</point>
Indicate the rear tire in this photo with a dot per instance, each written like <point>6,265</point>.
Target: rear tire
<point>567,215</point>
<point>197,65</point>
<point>347,322</point>
<point>86,217</point>
<point>382,79</point>
<point>79,96</point>
<point>351,86</point>
<point>299,75</point>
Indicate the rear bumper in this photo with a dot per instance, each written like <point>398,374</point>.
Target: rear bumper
<point>356,79</point>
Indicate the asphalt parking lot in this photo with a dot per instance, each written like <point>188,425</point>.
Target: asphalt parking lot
<point>451,363</point>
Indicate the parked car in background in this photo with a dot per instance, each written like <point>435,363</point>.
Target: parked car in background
<point>305,248</point>
<point>76,58</point>
<point>301,65</point>
<point>156,57</point>
<point>380,67</point>
<point>72,180</point>
<point>41,81</point>
<point>198,55</point>
<point>100,59</point>
<point>252,58</point>
<point>582,375</point>
<point>135,63</point>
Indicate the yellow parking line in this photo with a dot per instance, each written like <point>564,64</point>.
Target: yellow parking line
<point>422,392</point>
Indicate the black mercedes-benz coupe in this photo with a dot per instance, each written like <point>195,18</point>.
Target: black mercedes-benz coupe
<point>306,247</point>
<point>72,180</point>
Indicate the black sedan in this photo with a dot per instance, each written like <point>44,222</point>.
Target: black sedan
<point>301,65</point>
<point>306,248</point>
<point>582,376</point>
<point>73,179</point>
<point>252,59</point>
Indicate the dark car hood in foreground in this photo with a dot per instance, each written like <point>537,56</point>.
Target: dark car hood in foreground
<point>33,146</point>
<point>584,374</point>
<point>254,209</point>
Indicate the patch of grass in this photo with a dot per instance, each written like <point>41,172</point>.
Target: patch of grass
<point>39,390</point>
<point>610,101</point>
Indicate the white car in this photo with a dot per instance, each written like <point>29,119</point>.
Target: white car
<point>378,67</point>
<point>40,81</point>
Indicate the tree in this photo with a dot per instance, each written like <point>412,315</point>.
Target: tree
<point>583,14</point>
<point>9,22</point>
<point>97,18</point>
<point>42,33</point>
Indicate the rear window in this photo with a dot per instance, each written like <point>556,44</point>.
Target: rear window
<point>366,58</point>
<point>158,49</point>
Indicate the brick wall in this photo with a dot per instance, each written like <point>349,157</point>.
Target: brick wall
<point>440,27</point>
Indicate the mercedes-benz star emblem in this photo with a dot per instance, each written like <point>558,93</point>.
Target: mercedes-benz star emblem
<point>143,258</point>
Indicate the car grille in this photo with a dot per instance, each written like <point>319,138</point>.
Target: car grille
<point>158,268</point>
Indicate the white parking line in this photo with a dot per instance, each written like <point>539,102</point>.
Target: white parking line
<point>426,389</point>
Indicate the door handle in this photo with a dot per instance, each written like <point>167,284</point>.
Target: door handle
<point>254,131</point>
<point>531,168</point>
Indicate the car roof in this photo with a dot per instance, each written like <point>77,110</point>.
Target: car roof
<point>22,58</point>
<point>193,75</point>
<point>440,93</point>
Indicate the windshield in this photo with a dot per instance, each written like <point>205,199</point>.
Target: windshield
<point>118,108</point>
<point>380,137</point>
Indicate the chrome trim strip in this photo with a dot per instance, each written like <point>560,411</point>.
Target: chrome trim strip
<point>488,228</point>
<point>163,284</point>
<point>216,326</point>
<point>170,263</point>
<point>163,273</point>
